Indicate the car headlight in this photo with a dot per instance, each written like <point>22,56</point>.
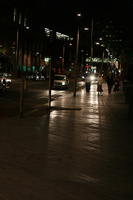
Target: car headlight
<point>63,83</point>
<point>8,80</point>
<point>92,78</point>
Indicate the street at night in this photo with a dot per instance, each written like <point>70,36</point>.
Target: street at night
<point>36,94</point>
<point>66,100</point>
<point>81,150</point>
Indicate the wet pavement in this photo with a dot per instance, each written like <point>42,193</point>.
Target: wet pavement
<point>81,150</point>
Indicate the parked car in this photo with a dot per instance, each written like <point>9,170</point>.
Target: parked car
<point>60,81</point>
<point>6,79</point>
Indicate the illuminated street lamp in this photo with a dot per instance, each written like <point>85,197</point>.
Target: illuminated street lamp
<point>91,40</point>
<point>76,59</point>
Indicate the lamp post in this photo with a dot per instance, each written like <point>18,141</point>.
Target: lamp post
<point>91,40</point>
<point>82,59</point>
<point>76,63</point>
<point>76,59</point>
<point>63,58</point>
<point>103,55</point>
<point>51,72</point>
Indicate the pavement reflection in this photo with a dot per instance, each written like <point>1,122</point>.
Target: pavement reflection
<point>81,150</point>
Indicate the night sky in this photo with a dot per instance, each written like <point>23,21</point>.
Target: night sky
<point>61,14</point>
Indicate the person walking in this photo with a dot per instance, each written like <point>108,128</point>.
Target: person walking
<point>116,83</point>
<point>99,84</point>
<point>110,81</point>
<point>87,83</point>
<point>4,84</point>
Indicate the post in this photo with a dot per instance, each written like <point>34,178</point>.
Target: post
<point>49,97</point>
<point>91,39</point>
<point>102,60</point>
<point>63,56</point>
<point>17,46</point>
<point>76,64</point>
<point>21,97</point>
<point>82,59</point>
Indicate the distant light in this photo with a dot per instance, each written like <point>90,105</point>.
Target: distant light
<point>71,39</point>
<point>14,15</point>
<point>48,32</point>
<point>79,15</point>
<point>97,43</point>
<point>27,27</point>
<point>62,36</point>
<point>46,59</point>
<point>20,18</point>
<point>86,29</point>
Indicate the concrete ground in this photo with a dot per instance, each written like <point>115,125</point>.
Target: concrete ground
<point>81,150</point>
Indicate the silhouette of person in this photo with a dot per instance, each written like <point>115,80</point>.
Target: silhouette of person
<point>110,81</point>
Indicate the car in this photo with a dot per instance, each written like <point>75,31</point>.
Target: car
<point>7,78</point>
<point>60,81</point>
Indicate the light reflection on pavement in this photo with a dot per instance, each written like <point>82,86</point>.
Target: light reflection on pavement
<point>69,154</point>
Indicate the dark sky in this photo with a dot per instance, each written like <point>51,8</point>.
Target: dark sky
<point>61,14</point>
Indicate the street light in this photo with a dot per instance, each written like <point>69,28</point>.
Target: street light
<point>76,63</point>
<point>76,59</point>
<point>91,39</point>
<point>82,59</point>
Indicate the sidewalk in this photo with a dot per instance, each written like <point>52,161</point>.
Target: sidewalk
<point>81,150</point>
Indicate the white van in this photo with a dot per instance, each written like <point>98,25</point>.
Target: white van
<point>60,81</point>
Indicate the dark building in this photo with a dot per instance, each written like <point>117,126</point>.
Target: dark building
<point>24,39</point>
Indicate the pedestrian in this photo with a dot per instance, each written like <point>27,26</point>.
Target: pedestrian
<point>100,81</point>
<point>87,83</point>
<point>110,81</point>
<point>4,84</point>
<point>116,83</point>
